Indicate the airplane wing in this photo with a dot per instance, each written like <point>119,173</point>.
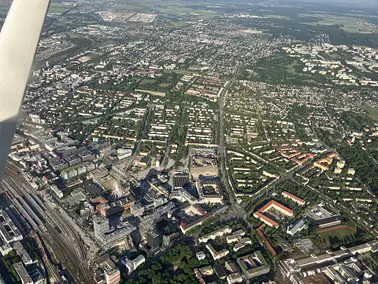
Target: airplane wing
<point>19,39</point>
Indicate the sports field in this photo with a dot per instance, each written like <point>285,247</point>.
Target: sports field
<point>338,231</point>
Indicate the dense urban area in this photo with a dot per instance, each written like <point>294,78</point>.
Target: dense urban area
<point>196,142</point>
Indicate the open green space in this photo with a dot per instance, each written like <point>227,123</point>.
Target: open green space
<point>348,24</point>
<point>173,266</point>
<point>147,82</point>
<point>177,24</point>
<point>177,9</point>
<point>345,235</point>
<point>281,69</point>
<point>57,8</point>
<point>292,67</point>
<point>164,85</point>
<point>339,233</point>
<point>371,111</point>
<point>142,6</point>
<point>75,35</point>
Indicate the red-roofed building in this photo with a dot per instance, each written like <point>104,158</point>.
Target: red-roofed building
<point>296,199</point>
<point>265,240</point>
<point>272,205</point>
<point>266,220</point>
<point>198,209</point>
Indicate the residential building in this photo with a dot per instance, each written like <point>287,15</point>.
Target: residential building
<point>234,278</point>
<point>253,265</point>
<point>272,205</point>
<point>25,257</point>
<point>217,254</point>
<point>22,273</point>
<point>218,233</point>
<point>294,198</point>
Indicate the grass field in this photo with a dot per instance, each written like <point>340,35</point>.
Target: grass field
<point>371,111</point>
<point>162,85</point>
<point>147,82</point>
<point>177,24</point>
<point>348,24</point>
<point>206,15</point>
<point>141,6</point>
<point>181,9</point>
<point>342,232</point>
<point>57,8</point>
<point>175,10</point>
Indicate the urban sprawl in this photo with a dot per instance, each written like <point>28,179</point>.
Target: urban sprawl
<point>158,147</point>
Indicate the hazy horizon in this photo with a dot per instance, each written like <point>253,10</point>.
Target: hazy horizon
<point>364,3</point>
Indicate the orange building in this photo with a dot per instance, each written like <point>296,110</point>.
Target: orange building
<point>325,162</point>
<point>272,205</point>
<point>296,199</point>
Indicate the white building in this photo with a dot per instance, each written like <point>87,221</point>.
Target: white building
<point>296,227</point>
<point>234,278</point>
<point>200,255</point>
<point>133,264</point>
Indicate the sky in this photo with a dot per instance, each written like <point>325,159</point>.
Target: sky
<point>356,3</point>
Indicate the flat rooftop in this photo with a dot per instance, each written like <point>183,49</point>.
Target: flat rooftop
<point>22,273</point>
<point>318,213</point>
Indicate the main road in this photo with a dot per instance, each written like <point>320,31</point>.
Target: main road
<point>235,209</point>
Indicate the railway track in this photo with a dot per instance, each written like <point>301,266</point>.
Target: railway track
<point>65,242</point>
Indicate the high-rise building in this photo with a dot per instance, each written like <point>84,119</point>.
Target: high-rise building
<point>153,239</point>
<point>100,226</point>
<point>112,276</point>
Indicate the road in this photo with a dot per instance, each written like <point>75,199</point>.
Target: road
<point>236,210</point>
